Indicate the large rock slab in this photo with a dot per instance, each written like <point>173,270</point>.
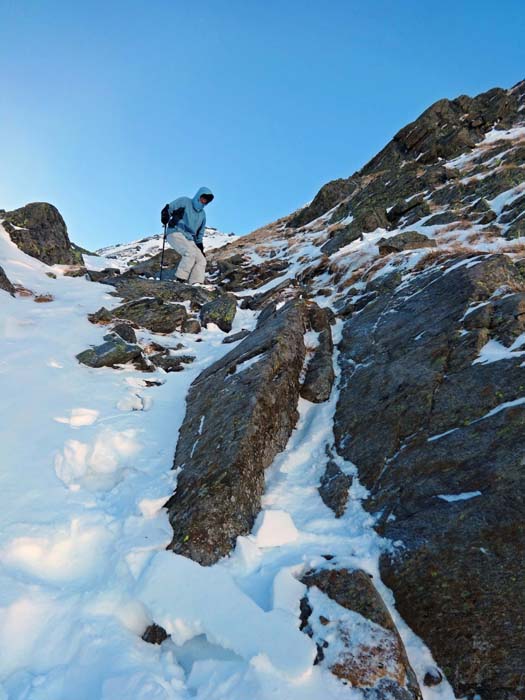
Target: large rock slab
<point>240,414</point>
<point>438,439</point>
<point>355,634</point>
<point>40,231</point>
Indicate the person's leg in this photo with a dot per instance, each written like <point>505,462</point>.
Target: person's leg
<point>186,249</point>
<point>199,268</point>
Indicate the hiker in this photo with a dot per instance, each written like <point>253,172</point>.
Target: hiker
<point>185,233</point>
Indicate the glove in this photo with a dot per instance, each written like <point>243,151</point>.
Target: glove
<point>200,246</point>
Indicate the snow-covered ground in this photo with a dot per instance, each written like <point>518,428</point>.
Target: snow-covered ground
<point>86,468</point>
<point>123,255</point>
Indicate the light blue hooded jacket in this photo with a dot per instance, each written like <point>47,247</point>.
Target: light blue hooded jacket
<point>193,222</point>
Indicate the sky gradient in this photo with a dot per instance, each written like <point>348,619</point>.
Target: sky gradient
<point>109,110</point>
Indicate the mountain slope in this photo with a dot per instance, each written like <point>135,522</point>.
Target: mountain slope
<point>393,306</point>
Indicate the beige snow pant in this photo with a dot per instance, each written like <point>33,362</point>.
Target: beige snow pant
<point>193,263</point>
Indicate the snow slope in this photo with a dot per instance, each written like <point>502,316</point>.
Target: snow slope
<point>83,569</point>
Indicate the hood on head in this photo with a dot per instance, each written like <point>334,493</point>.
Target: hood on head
<point>196,200</point>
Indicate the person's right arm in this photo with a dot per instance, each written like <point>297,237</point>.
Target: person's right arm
<point>177,204</point>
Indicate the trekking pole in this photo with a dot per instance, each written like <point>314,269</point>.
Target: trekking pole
<point>162,256</point>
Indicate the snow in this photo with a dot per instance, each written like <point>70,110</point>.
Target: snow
<point>274,528</point>
<point>83,566</point>
<point>460,496</point>
<point>494,351</point>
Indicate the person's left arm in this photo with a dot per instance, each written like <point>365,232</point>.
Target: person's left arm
<point>200,235</point>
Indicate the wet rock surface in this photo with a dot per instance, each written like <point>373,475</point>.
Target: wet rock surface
<point>334,487</point>
<point>355,634</point>
<point>422,420</point>
<point>40,231</point>
<point>240,414</point>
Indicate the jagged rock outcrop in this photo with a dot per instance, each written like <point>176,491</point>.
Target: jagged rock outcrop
<point>355,634</point>
<point>436,435</point>
<point>240,414</point>
<point>5,283</point>
<point>392,190</point>
<point>408,240</point>
<point>40,231</point>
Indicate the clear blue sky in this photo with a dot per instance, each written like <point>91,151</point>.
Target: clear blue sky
<point>110,109</point>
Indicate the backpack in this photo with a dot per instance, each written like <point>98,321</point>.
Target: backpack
<point>171,220</point>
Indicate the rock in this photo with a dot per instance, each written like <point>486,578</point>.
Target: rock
<point>408,240</point>
<point>425,421</point>
<point>114,351</point>
<point>40,231</point>
<point>103,316</point>
<point>171,363</point>
<point>153,314</point>
<point>75,271</point>
<point>126,332</point>
<point>5,283</point>
<point>220,311</point>
<point>191,325</point>
<point>240,414</point>
<point>334,487</point>
<point>155,634</point>
<point>134,288</point>
<point>319,379</point>
<point>103,275</point>
<point>234,337</point>
<point>327,197</point>
<point>433,677</point>
<point>348,620</point>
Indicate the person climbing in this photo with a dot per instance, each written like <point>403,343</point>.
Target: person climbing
<point>185,233</point>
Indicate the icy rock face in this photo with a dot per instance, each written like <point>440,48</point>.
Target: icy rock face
<point>355,634</point>
<point>430,413</point>
<point>5,283</point>
<point>240,413</point>
<point>39,230</point>
<point>319,379</point>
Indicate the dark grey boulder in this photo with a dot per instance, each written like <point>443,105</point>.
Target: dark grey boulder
<point>421,421</point>
<point>40,231</point>
<point>220,311</point>
<point>126,332</point>
<point>114,351</point>
<point>5,283</point>
<point>408,240</point>
<point>380,668</point>
<point>240,414</point>
<point>334,487</point>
